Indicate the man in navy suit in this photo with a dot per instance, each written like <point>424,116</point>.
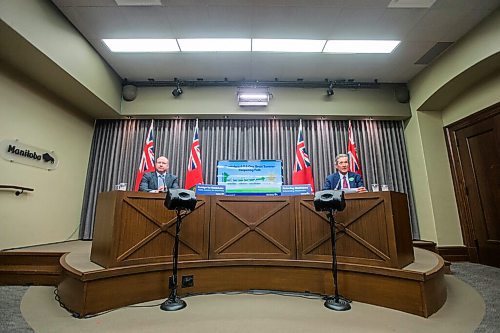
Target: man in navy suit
<point>159,180</point>
<point>343,179</point>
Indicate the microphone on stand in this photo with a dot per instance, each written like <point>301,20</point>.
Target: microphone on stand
<point>337,187</point>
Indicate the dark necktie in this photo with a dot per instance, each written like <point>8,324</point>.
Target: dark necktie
<point>345,184</point>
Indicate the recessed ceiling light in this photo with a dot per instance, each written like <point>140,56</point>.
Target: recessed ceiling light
<point>214,44</point>
<point>287,45</point>
<point>360,46</point>
<point>142,45</point>
<point>411,3</point>
<point>138,2</point>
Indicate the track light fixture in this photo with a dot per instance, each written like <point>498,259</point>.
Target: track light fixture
<point>177,91</point>
<point>329,91</point>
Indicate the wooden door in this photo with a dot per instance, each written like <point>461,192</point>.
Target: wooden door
<point>478,146</point>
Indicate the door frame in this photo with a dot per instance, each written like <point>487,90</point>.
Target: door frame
<point>457,175</point>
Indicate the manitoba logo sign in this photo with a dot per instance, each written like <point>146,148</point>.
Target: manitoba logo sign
<point>16,151</point>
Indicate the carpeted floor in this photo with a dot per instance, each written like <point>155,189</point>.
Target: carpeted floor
<point>267,313</point>
<point>11,319</point>
<point>486,280</point>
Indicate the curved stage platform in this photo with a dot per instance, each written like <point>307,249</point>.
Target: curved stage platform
<point>87,288</point>
<point>243,243</point>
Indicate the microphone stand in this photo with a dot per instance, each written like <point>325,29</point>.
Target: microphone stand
<point>174,302</point>
<point>337,302</point>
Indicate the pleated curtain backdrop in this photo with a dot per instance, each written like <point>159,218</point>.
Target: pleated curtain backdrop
<point>117,146</point>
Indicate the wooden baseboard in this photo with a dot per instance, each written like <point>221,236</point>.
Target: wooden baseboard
<point>454,253</point>
<point>424,244</point>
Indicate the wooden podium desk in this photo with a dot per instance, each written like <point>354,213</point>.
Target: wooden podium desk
<point>374,230</point>
<point>243,243</point>
<point>135,228</point>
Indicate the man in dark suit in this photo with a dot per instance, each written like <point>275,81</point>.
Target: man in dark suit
<point>343,179</point>
<point>159,180</point>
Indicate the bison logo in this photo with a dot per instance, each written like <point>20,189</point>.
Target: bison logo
<point>47,158</point>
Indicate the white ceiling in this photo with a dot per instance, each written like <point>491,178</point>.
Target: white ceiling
<point>419,29</point>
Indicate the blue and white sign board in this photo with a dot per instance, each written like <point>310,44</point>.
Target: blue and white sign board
<point>208,189</point>
<point>296,190</point>
<point>248,177</point>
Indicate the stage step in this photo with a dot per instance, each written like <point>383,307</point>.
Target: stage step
<point>432,246</point>
<point>30,268</point>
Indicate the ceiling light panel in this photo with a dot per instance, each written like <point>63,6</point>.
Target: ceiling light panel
<point>287,45</point>
<point>215,44</point>
<point>411,3</point>
<point>360,46</point>
<point>142,45</point>
<point>138,2</point>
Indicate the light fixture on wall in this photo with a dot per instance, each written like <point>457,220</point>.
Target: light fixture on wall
<point>253,96</point>
<point>178,90</point>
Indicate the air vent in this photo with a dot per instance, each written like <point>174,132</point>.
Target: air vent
<point>433,53</point>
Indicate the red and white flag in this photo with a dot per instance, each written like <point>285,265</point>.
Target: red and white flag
<point>302,169</point>
<point>193,175</point>
<point>147,158</point>
<point>354,165</point>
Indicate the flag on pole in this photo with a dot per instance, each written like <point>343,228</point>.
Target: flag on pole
<point>354,165</point>
<point>193,175</point>
<point>302,170</point>
<point>147,158</point>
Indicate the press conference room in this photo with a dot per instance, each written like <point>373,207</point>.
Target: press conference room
<point>243,166</point>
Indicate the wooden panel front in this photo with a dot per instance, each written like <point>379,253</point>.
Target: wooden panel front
<point>133,228</point>
<point>136,228</point>
<point>252,227</point>
<point>408,291</point>
<point>366,231</point>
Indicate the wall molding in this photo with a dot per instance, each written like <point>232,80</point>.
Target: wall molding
<point>454,253</point>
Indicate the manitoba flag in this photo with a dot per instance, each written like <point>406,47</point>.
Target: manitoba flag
<point>302,170</point>
<point>354,165</point>
<point>193,175</point>
<point>147,158</point>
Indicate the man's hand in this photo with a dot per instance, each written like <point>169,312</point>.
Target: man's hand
<point>361,190</point>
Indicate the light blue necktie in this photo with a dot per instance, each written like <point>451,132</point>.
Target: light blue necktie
<point>161,181</point>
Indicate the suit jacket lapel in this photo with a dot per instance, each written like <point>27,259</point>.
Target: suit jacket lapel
<point>336,179</point>
<point>154,181</point>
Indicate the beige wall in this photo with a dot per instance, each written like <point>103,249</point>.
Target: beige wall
<point>431,178</point>
<point>378,103</point>
<point>478,97</point>
<point>64,54</point>
<point>52,212</point>
<point>428,158</point>
<point>476,46</point>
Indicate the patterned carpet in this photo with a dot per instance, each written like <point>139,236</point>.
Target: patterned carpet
<point>486,280</point>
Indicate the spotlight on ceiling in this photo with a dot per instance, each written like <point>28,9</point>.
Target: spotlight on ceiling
<point>329,91</point>
<point>253,96</point>
<point>177,91</point>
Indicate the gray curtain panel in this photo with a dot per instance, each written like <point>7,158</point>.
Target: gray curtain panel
<point>117,146</point>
